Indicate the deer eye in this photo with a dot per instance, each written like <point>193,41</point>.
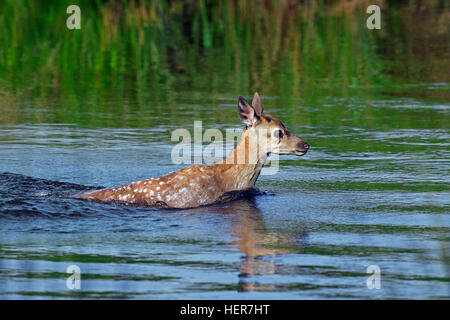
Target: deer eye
<point>278,134</point>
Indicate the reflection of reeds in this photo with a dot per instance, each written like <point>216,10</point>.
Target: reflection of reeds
<point>283,48</point>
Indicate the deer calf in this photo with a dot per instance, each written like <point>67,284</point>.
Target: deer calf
<point>200,185</point>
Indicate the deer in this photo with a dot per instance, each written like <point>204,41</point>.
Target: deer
<point>201,185</point>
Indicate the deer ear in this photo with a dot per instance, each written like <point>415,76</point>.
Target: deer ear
<point>246,112</point>
<point>257,104</point>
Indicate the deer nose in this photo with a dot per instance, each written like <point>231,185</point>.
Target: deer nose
<point>303,145</point>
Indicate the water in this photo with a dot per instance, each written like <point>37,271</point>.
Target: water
<point>373,189</point>
<point>358,198</point>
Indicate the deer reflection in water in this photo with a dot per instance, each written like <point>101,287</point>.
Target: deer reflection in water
<point>258,247</point>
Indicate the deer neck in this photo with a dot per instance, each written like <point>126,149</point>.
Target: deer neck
<point>241,168</point>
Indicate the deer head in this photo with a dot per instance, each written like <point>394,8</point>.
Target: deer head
<point>267,133</point>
